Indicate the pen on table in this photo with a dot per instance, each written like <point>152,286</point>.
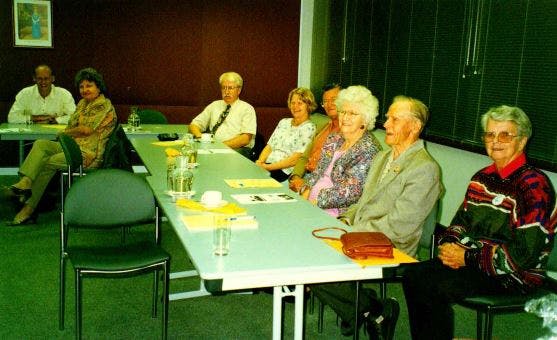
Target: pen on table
<point>242,218</point>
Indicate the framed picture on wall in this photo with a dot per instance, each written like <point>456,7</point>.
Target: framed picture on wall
<point>32,22</point>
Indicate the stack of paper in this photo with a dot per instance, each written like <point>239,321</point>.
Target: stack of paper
<point>205,222</point>
<point>253,183</point>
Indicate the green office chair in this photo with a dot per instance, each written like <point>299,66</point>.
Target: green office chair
<point>104,200</point>
<point>74,160</point>
<point>489,305</point>
<point>148,116</point>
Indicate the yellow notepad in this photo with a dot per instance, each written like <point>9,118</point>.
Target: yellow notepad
<point>228,208</point>
<point>399,257</point>
<point>206,222</point>
<point>169,143</point>
<point>253,183</point>
<point>55,126</point>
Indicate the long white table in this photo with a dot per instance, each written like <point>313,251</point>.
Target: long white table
<point>282,252</point>
<point>22,132</point>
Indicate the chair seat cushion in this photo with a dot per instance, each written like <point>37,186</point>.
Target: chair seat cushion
<point>116,259</point>
<point>501,301</point>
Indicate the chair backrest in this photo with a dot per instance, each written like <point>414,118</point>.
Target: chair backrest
<point>552,260</point>
<point>117,152</point>
<point>427,238</point>
<point>109,198</point>
<point>72,152</point>
<point>148,116</point>
<point>258,146</point>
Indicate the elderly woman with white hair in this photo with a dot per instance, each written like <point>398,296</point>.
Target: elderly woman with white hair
<point>346,157</point>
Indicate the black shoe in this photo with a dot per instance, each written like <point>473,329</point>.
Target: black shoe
<point>347,327</point>
<point>20,195</point>
<point>383,326</point>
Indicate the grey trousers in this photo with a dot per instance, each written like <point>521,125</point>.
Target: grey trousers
<point>45,158</point>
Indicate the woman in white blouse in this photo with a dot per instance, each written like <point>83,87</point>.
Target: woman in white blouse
<point>291,136</point>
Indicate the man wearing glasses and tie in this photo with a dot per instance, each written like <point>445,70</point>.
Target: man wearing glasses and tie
<point>230,120</point>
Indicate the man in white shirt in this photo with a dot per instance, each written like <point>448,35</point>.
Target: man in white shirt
<point>230,120</point>
<point>42,103</point>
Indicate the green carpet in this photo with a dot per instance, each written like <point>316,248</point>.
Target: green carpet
<point>120,309</point>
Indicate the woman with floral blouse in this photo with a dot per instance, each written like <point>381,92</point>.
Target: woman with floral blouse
<point>291,136</point>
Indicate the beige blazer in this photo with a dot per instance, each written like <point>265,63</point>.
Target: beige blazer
<point>399,204</point>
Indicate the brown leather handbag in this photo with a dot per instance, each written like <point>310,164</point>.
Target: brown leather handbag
<point>360,245</point>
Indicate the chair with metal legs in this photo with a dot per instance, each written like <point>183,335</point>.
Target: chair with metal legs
<point>102,201</point>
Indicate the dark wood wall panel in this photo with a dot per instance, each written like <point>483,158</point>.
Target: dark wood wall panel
<point>163,52</point>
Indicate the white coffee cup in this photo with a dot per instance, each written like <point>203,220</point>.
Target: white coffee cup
<point>211,198</point>
<point>206,137</point>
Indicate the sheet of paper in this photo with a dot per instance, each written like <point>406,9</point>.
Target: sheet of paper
<point>15,130</point>
<point>196,223</point>
<point>54,126</point>
<point>213,151</point>
<point>253,183</point>
<point>263,198</point>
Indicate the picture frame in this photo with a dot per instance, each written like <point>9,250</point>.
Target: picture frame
<point>32,23</point>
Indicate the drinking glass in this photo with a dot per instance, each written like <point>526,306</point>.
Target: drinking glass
<point>221,235</point>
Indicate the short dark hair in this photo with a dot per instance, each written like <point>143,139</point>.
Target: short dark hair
<point>331,86</point>
<point>92,75</point>
<point>42,66</point>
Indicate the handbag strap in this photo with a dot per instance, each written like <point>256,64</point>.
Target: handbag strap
<point>314,233</point>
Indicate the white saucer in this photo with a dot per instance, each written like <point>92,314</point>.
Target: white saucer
<point>187,194</point>
<point>218,205</point>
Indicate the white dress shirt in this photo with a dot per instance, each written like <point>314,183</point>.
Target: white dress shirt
<point>59,103</point>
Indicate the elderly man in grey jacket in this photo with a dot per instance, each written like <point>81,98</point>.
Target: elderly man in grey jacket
<point>402,187</point>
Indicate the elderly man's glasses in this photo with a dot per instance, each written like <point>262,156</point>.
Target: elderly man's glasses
<point>502,137</point>
<point>228,88</point>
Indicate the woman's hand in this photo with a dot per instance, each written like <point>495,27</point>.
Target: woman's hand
<point>452,255</point>
<point>79,131</point>
<point>261,164</point>
<point>305,194</point>
<point>295,183</point>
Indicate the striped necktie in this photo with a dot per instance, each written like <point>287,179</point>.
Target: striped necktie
<point>221,119</point>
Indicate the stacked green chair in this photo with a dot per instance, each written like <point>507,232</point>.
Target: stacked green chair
<point>101,202</point>
<point>148,116</point>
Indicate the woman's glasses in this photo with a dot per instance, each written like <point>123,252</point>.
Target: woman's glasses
<point>502,137</point>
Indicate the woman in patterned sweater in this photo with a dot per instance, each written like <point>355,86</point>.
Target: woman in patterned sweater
<point>498,241</point>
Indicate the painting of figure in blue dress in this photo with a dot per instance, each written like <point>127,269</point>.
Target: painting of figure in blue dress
<point>32,20</point>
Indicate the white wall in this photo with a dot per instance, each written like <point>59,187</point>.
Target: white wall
<point>457,167</point>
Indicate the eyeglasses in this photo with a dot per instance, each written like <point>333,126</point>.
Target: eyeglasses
<point>328,101</point>
<point>502,137</point>
<point>228,88</point>
<point>349,114</point>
